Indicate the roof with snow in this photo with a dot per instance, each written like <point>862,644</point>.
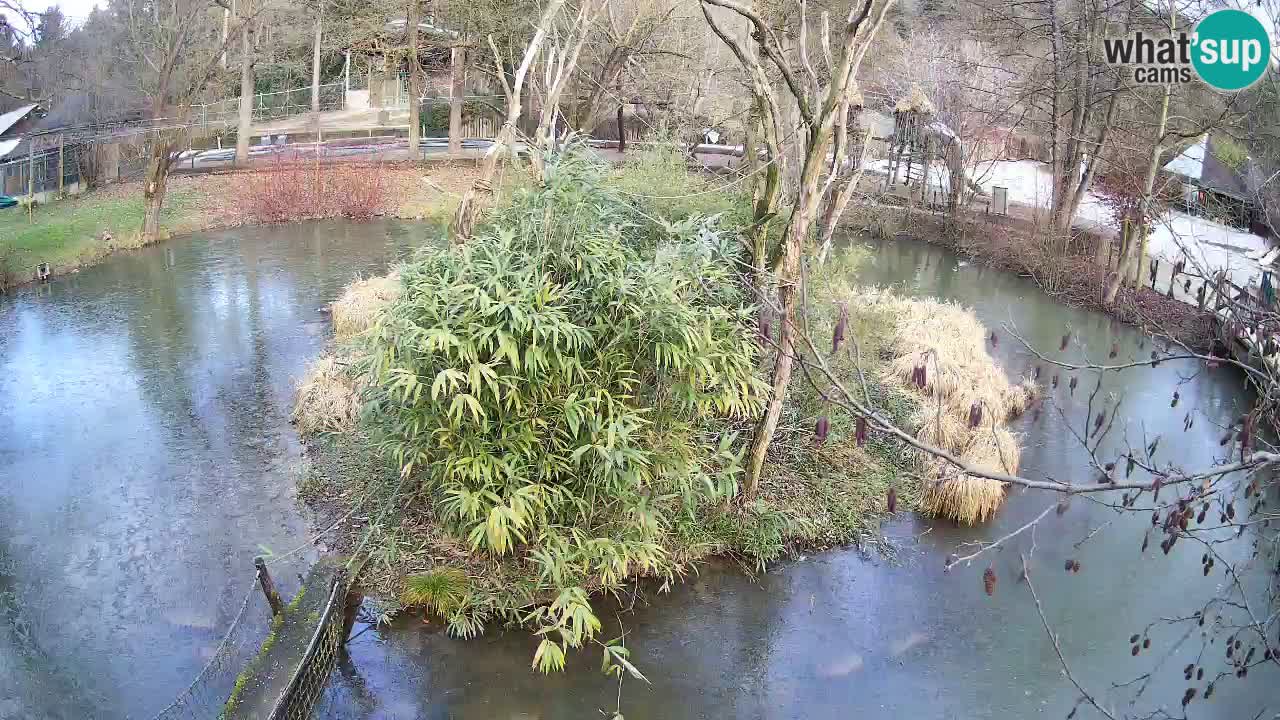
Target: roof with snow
<point>12,117</point>
<point>1190,162</point>
<point>915,101</point>
<point>7,146</point>
<point>1200,165</point>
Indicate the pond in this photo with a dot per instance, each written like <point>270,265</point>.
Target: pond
<point>146,457</point>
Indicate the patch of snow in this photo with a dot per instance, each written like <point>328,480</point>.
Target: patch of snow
<point>1210,246</point>
<point>942,129</point>
<point>7,146</point>
<point>9,119</point>
<point>1028,182</point>
<point>1190,162</point>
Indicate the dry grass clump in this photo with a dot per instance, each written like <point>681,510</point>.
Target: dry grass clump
<point>953,494</point>
<point>950,343</point>
<point>327,399</point>
<point>360,305</point>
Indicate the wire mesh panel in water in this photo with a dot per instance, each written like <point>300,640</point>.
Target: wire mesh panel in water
<point>309,680</point>
<point>206,696</point>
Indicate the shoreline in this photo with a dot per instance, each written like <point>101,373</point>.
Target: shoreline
<point>1001,243</point>
<point>206,202</point>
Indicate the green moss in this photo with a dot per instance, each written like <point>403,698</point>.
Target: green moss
<point>1230,152</point>
<point>254,666</point>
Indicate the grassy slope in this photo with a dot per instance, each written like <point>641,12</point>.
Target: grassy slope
<point>67,233</point>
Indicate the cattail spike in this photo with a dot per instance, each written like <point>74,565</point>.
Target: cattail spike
<point>989,581</point>
<point>838,336</point>
<point>975,415</point>
<point>893,500</point>
<point>860,431</point>
<point>820,430</point>
<point>1065,339</point>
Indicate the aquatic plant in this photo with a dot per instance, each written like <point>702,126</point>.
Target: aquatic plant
<point>326,400</point>
<point>443,591</point>
<point>362,303</point>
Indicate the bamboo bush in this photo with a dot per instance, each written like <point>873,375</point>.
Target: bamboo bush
<point>548,385</point>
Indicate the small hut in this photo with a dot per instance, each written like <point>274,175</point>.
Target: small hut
<point>911,140</point>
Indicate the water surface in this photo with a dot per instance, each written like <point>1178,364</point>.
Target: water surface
<point>841,635</point>
<point>146,455</point>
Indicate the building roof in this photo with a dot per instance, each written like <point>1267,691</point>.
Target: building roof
<point>1190,162</point>
<point>1201,166</point>
<point>12,117</point>
<point>7,146</point>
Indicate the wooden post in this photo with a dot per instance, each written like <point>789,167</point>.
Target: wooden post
<point>350,608</point>
<point>62,150</point>
<point>31,166</point>
<point>622,131</point>
<point>268,586</point>
<point>457,92</point>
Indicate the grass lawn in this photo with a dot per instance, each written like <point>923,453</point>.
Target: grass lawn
<point>66,233</point>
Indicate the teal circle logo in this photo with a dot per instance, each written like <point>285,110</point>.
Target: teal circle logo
<point>1231,50</point>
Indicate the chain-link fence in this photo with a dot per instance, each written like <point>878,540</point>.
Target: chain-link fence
<point>321,658</point>
<point>206,696</point>
<point>44,171</point>
<point>271,106</point>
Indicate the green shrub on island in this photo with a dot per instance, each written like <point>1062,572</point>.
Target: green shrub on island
<point>549,387</point>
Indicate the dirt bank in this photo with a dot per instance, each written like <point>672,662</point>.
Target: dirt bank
<point>1013,244</point>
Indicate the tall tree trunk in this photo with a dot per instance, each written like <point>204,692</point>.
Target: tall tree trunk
<point>415,89</point>
<point>622,130</point>
<point>1131,262</point>
<point>457,80</point>
<point>246,87</point>
<point>157,179</point>
<point>315,71</point>
<point>790,290</point>
<point>226,28</point>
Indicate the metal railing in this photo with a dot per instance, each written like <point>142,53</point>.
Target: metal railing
<point>271,106</point>
<point>320,659</point>
<point>206,697</point>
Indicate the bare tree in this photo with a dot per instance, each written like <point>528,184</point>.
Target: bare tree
<point>468,209</point>
<point>415,78</point>
<point>315,67</point>
<point>244,122</point>
<point>563,51</point>
<point>819,102</point>
<point>172,51</point>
